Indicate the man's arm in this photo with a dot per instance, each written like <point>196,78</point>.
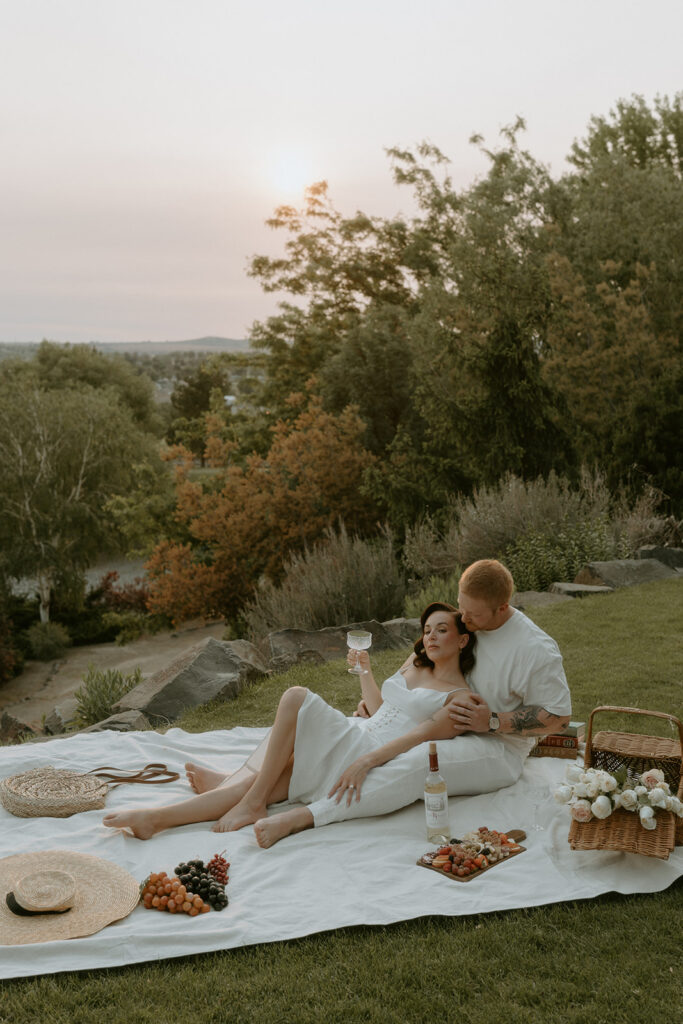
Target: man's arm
<point>472,714</point>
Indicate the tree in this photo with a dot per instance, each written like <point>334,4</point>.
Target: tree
<point>191,399</point>
<point>244,520</point>
<point>63,454</point>
<point>56,367</point>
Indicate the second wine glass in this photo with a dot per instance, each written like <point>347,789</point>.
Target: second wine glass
<point>358,640</point>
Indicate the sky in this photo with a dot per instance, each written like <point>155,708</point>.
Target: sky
<point>146,142</point>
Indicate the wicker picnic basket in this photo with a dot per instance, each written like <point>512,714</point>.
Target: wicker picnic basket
<point>611,751</point>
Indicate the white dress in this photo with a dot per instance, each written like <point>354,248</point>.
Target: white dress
<point>327,741</point>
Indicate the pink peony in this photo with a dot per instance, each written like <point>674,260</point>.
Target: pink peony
<point>581,810</point>
<point>651,777</point>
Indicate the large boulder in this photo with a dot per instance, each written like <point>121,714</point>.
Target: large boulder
<point>624,572</point>
<point>577,590</point>
<point>11,729</point>
<point>124,721</point>
<point>533,598</point>
<point>288,647</point>
<point>673,557</point>
<point>210,670</point>
<point>62,717</point>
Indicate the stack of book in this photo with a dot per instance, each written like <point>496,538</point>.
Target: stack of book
<point>561,744</point>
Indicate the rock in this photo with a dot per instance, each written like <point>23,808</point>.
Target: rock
<point>407,630</point>
<point>11,728</point>
<point>62,716</point>
<point>623,572</point>
<point>531,598</point>
<point>673,557</point>
<point>287,647</point>
<point>212,669</point>
<point>577,589</point>
<point>124,721</point>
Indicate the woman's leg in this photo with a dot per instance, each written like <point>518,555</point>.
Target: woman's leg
<point>271,785</point>
<point>203,779</point>
<point>270,830</point>
<point>272,782</point>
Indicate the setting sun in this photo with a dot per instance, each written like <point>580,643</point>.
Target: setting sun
<point>290,171</point>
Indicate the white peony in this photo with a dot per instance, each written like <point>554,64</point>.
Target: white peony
<point>602,806</point>
<point>581,790</point>
<point>628,800</point>
<point>657,798</point>
<point>563,794</point>
<point>647,818</point>
<point>592,788</point>
<point>608,783</point>
<point>640,790</point>
<point>677,806</point>
<point>574,773</point>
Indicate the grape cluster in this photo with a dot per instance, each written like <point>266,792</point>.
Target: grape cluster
<point>218,867</point>
<point>159,892</point>
<point>194,875</point>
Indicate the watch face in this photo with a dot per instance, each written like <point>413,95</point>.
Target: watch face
<point>494,722</point>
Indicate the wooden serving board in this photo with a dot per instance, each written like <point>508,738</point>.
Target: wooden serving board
<point>516,834</point>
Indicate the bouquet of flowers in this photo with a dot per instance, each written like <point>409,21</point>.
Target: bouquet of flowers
<point>594,793</point>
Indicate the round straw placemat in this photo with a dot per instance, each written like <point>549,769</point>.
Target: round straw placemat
<point>51,792</point>
<point>104,893</point>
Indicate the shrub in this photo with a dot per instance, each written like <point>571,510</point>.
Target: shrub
<point>429,552</point>
<point>538,559</point>
<point>47,640</point>
<point>492,521</point>
<point>339,580</point>
<point>130,625</point>
<point>125,598</point>
<point>436,588</point>
<point>99,692</point>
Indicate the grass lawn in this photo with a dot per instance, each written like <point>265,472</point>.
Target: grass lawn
<point>613,960</point>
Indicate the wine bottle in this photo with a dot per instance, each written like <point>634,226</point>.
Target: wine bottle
<point>436,801</point>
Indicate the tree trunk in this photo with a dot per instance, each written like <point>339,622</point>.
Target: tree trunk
<point>44,593</point>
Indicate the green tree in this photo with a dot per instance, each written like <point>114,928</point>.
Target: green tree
<point>193,396</point>
<point>63,454</point>
<point>57,367</point>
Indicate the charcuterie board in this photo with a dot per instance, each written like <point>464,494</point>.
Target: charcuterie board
<point>466,864</point>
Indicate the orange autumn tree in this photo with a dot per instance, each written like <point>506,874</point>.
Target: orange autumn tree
<point>244,520</point>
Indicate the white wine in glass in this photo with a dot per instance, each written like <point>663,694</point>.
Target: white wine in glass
<point>358,640</point>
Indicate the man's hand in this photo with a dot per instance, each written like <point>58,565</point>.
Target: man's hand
<point>362,710</point>
<point>469,713</point>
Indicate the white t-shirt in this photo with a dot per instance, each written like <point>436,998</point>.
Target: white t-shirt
<point>519,664</point>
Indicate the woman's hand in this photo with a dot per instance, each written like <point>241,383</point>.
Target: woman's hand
<point>362,711</point>
<point>351,780</point>
<point>360,658</point>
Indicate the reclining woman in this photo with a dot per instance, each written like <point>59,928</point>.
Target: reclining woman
<point>318,757</point>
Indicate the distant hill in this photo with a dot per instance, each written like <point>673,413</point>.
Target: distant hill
<point>27,349</point>
<point>162,347</point>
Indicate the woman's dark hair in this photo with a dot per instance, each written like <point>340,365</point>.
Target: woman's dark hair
<point>467,653</point>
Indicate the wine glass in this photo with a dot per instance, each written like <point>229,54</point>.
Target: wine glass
<point>358,640</point>
<point>537,795</point>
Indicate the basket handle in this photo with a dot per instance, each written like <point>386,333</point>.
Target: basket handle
<point>588,759</point>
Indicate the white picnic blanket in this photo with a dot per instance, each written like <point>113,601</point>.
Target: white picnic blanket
<point>359,872</point>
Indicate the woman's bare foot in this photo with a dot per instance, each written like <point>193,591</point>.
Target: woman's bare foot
<point>271,830</point>
<point>143,824</point>
<point>203,779</point>
<point>243,813</point>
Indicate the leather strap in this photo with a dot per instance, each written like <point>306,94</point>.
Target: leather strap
<point>151,774</point>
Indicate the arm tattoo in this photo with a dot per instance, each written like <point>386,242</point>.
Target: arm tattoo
<point>526,717</point>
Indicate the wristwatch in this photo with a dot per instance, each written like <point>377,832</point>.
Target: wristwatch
<point>494,722</point>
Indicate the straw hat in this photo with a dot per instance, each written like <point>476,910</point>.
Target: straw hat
<point>59,894</point>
